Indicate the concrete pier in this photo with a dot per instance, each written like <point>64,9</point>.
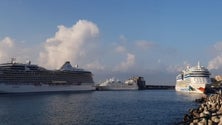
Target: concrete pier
<point>159,87</point>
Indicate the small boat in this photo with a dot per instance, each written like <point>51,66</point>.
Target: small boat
<point>193,79</point>
<point>133,83</point>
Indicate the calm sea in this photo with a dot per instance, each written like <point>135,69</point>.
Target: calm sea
<point>148,107</point>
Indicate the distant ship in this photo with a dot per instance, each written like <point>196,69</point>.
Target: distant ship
<point>19,77</point>
<point>193,79</point>
<point>133,83</point>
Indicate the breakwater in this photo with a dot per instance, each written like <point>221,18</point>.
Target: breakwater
<point>209,111</point>
<point>159,87</point>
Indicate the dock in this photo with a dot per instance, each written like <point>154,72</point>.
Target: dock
<point>156,87</point>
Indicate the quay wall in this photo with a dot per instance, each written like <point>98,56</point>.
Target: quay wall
<point>159,87</point>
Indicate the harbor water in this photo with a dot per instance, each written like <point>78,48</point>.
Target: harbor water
<point>156,107</point>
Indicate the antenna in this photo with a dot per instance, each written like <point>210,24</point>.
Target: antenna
<point>13,60</point>
<point>198,65</point>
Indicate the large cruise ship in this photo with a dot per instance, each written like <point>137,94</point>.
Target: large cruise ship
<point>193,79</point>
<point>19,77</point>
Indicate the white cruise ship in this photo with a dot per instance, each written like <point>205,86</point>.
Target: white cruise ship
<point>193,79</point>
<point>133,83</point>
<point>19,78</point>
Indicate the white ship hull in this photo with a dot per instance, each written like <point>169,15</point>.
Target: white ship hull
<point>134,83</point>
<point>183,86</point>
<point>25,88</point>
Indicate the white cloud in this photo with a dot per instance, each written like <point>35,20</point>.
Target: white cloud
<point>6,45</point>
<point>10,48</point>
<point>96,65</point>
<point>216,62</point>
<point>144,44</point>
<point>120,49</point>
<point>128,63</point>
<point>7,42</point>
<point>71,44</point>
<point>174,68</point>
<point>218,46</point>
<point>177,68</point>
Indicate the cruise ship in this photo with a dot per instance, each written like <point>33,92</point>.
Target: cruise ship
<point>26,77</point>
<point>193,79</point>
<point>133,83</point>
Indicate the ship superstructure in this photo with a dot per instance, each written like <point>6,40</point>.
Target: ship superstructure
<point>193,79</point>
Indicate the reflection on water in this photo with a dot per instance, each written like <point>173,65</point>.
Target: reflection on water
<point>190,96</point>
<point>95,108</point>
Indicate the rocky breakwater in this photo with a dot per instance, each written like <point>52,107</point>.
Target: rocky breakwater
<point>209,112</point>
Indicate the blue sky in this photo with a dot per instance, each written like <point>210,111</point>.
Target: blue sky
<point>121,38</point>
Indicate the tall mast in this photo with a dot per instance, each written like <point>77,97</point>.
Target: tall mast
<point>198,65</point>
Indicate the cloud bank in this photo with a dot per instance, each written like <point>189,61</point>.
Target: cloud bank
<point>9,48</point>
<point>79,44</point>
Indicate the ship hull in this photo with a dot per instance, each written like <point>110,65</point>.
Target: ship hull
<point>29,88</point>
<point>183,86</point>
<point>134,83</point>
